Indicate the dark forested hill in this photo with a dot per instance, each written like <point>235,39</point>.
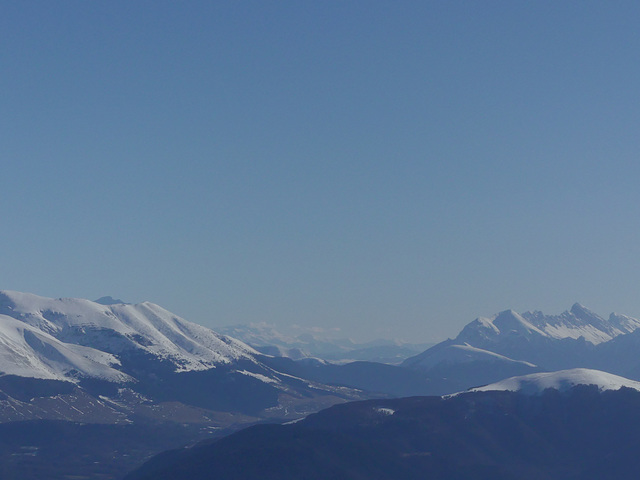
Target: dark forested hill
<point>581,434</point>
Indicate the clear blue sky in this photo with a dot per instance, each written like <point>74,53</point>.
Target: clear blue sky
<point>389,168</point>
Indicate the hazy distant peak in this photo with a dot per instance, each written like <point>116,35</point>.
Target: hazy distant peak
<point>507,322</point>
<point>510,321</point>
<point>584,313</point>
<point>447,354</point>
<point>624,323</point>
<point>577,322</point>
<point>108,300</point>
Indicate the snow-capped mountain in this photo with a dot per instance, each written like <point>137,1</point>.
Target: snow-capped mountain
<point>455,354</point>
<point>574,323</point>
<point>562,380</point>
<point>27,351</point>
<point>577,338</point>
<point>70,338</point>
<point>450,367</point>
<point>122,362</point>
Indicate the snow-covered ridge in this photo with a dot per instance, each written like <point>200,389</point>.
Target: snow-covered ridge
<point>574,323</point>
<point>27,351</point>
<point>68,338</point>
<point>450,354</point>
<point>561,380</point>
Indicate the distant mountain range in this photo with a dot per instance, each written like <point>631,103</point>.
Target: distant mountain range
<point>508,344</point>
<point>267,339</point>
<point>126,355</point>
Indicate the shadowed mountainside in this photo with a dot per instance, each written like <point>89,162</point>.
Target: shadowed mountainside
<point>580,434</point>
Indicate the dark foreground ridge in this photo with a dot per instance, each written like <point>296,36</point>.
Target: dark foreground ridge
<point>581,434</point>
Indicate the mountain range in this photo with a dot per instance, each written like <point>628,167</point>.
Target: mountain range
<point>509,344</point>
<point>267,339</point>
<point>140,371</point>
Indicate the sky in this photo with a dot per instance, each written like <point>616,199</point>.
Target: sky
<point>389,169</point>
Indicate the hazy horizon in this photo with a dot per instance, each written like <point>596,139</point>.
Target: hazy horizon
<point>370,166</point>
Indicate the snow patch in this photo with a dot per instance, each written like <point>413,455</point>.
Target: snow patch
<point>385,411</point>
<point>291,422</point>
<point>259,376</point>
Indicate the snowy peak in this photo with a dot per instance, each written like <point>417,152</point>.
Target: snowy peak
<point>454,354</point>
<point>562,380</point>
<point>480,329</point>
<point>67,337</point>
<point>29,352</point>
<point>511,323</point>
<point>623,323</point>
<point>577,322</point>
<point>550,342</point>
<point>505,324</point>
<point>583,313</point>
<point>588,317</point>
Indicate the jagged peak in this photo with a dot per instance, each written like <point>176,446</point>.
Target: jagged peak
<point>624,323</point>
<point>509,313</point>
<point>581,311</point>
<point>510,320</point>
<point>577,322</point>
